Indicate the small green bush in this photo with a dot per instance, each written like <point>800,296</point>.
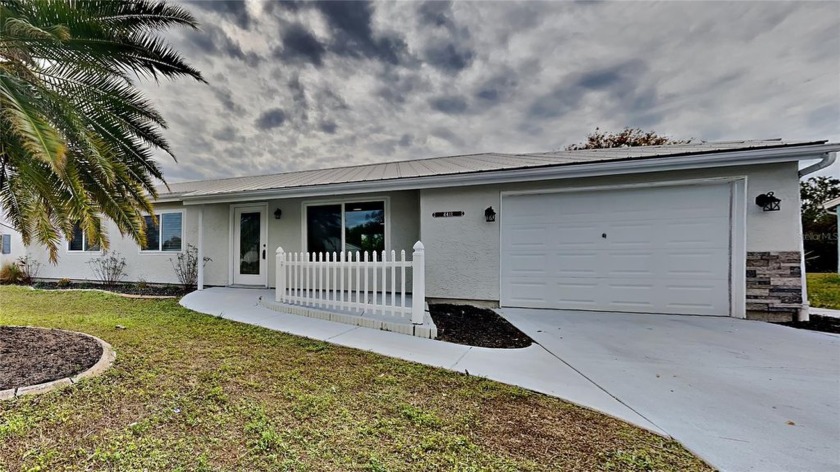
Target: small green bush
<point>63,283</point>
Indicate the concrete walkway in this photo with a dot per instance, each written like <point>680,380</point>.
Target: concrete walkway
<point>726,389</point>
<point>743,395</point>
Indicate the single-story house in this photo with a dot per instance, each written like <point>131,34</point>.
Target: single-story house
<point>705,228</point>
<point>835,205</point>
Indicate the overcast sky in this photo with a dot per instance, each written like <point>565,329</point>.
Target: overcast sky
<point>297,86</point>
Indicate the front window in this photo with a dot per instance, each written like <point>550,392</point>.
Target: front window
<point>166,235</point>
<point>79,241</point>
<point>339,227</point>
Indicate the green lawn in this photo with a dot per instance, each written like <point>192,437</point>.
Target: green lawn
<point>824,290</point>
<point>195,392</point>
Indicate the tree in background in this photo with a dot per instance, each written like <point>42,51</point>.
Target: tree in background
<point>76,136</point>
<point>819,227</point>
<point>628,137</point>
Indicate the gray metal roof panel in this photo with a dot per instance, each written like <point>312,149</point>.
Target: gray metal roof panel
<point>447,165</point>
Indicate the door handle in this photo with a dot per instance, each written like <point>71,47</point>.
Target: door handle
<point>263,253</point>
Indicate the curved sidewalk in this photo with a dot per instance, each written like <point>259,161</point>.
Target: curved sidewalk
<point>533,368</point>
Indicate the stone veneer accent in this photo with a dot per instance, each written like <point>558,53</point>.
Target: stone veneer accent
<point>774,285</point>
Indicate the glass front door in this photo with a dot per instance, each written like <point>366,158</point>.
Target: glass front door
<point>249,246</point>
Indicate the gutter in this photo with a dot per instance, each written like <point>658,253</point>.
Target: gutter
<point>805,312</point>
<point>527,174</point>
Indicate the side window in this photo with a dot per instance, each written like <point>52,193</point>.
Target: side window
<point>7,244</point>
<point>167,235</point>
<point>79,243</point>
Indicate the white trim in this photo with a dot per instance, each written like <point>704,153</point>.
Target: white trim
<point>303,224</point>
<point>737,227</point>
<point>738,249</point>
<point>232,229</point>
<point>159,252</point>
<point>530,174</point>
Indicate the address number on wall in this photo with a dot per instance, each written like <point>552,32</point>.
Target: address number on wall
<point>447,214</point>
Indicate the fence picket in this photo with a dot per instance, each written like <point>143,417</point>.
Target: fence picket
<point>317,279</point>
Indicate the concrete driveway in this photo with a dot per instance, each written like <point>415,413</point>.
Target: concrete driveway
<point>744,395</point>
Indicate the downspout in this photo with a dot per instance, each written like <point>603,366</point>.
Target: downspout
<point>804,312</point>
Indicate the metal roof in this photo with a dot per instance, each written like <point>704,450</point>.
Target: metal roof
<point>450,165</point>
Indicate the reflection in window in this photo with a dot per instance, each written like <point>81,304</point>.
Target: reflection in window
<point>79,241</point>
<point>323,228</point>
<point>167,235</point>
<point>249,243</point>
<point>364,226</point>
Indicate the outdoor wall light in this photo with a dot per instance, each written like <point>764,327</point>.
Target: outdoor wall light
<point>767,201</point>
<point>489,215</point>
<point>278,213</point>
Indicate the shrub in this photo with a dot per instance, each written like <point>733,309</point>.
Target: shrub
<point>11,273</point>
<point>142,284</point>
<point>109,269</point>
<point>63,283</point>
<point>186,267</point>
<point>29,267</point>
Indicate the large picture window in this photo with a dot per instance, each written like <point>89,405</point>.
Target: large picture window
<point>166,235</point>
<point>79,242</point>
<point>354,226</point>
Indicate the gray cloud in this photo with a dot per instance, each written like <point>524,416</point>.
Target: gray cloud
<point>449,104</point>
<point>236,10</point>
<point>271,119</point>
<point>304,85</point>
<point>300,44</point>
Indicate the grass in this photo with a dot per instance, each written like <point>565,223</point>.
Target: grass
<point>824,290</point>
<point>195,392</point>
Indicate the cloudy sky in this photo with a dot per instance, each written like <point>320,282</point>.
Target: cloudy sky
<point>297,86</point>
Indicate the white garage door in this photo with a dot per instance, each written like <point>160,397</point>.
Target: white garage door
<point>652,250</point>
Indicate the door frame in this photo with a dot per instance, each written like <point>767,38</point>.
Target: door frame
<point>263,206</point>
<point>737,227</point>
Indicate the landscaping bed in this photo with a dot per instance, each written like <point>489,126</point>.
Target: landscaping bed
<point>473,326</point>
<point>32,356</point>
<point>825,324</point>
<point>125,288</point>
<point>197,392</point>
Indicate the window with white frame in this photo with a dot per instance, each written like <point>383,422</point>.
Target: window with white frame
<point>79,242</point>
<point>167,235</point>
<point>350,226</point>
<point>7,244</point>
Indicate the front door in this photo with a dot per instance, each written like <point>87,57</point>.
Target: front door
<point>250,237</point>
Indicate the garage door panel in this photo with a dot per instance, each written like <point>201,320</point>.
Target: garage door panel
<point>666,250</point>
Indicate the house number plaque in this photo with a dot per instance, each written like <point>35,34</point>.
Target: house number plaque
<point>447,214</point>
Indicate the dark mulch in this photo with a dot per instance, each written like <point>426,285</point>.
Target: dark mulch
<point>825,324</point>
<point>32,356</point>
<point>473,326</point>
<point>127,288</point>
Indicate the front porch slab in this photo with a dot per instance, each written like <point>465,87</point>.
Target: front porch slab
<point>364,319</point>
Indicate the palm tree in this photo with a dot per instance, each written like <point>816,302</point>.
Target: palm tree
<point>76,137</point>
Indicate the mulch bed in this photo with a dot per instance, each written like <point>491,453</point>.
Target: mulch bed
<point>126,288</point>
<point>826,324</point>
<point>473,326</point>
<point>32,356</point>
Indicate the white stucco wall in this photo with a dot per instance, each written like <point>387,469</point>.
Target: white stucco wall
<point>157,268</point>
<point>17,248</point>
<point>463,253</point>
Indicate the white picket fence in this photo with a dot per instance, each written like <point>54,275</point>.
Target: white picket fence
<point>354,281</point>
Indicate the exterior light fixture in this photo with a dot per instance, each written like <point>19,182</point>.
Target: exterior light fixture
<point>278,213</point>
<point>768,202</point>
<point>489,215</point>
